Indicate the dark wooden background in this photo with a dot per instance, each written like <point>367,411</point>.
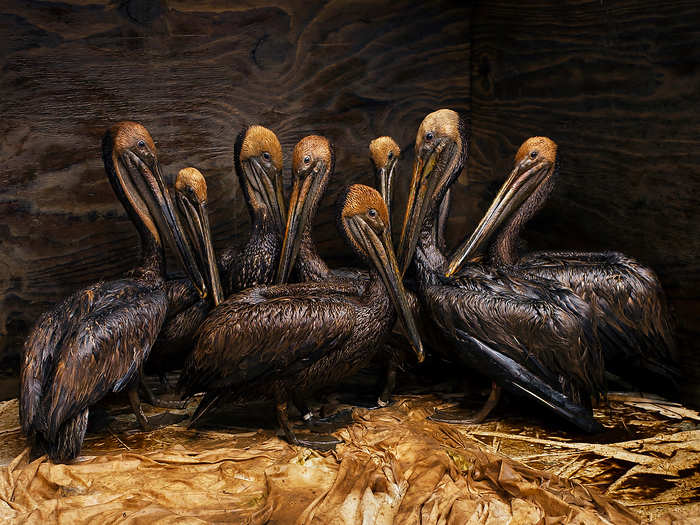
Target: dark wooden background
<point>616,85</point>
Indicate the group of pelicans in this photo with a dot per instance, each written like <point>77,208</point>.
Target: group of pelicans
<point>553,327</point>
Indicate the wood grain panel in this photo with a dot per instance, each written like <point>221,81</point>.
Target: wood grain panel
<point>194,73</point>
<point>617,85</point>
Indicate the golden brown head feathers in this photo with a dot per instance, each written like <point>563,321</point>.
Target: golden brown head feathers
<point>441,123</point>
<point>313,148</point>
<point>259,140</point>
<point>126,135</point>
<point>546,149</point>
<point>380,148</point>
<point>192,178</point>
<point>359,199</point>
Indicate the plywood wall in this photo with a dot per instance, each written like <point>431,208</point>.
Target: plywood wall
<point>194,73</point>
<point>616,84</point>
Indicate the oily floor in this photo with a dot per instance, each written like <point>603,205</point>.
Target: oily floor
<point>394,465</point>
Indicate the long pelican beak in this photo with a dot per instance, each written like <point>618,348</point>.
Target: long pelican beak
<point>519,185</point>
<point>267,190</point>
<point>151,188</point>
<point>385,183</point>
<point>380,251</point>
<point>197,219</point>
<point>301,203</point>
<point>421,197</point>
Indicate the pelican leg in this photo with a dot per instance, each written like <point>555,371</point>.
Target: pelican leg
<point>156,401</point>
<point>319,442</point>
<point>389,385</point>
<point>455,418</point>
<point>321,424</point>
<point>303,408</point>
<point>136,407</point>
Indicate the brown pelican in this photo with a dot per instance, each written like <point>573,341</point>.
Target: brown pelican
<point>95,341</point>
<point>384,153</point>
<point>312,168</point>
<point>528,335</point>
<point>313,163</point>
<point>258,161</point>
<point>285,341</point>
<point>633,319</point>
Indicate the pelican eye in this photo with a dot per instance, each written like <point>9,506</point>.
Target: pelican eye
<point>429,135</point>
<point>307,159</point>
<point>372,213</point>
<point>533,154</point>
<point>266,155</point>
<point>141,144</point>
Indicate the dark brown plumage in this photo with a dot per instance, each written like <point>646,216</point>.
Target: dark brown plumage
<point>630,306</point>
<point>95,341</point>
<point>285,341</point>
<point>258,161</point>
<point>530,336</point>
<point>312,168</point>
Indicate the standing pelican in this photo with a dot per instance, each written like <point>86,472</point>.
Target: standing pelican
<point>528,335</point>
<point>633,320</point>
<point>95,341</point>
<point>312,167</point>
<point>258,161</point>
<point>285,341</point>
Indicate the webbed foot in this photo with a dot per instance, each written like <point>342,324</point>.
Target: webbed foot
<point>322,443</point>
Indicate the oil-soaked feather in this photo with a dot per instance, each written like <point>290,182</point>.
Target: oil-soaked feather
<point>537,323</point>
<point>633,319</point>
<point>300,334</point>
<point>41,347</point>
<point>102,349</point>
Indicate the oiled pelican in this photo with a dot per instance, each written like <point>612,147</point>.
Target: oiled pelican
<point>286,341</point>
<point>95,341</point>
<point>528,335</point>
<point>632,315</point>
<point>258,161</point>
<point>312,167</point>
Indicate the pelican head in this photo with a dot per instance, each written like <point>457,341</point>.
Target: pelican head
<point>312,164</point>
<point>259,166</point>
<point>441,147</point>
<point>535,164</point>
<point>385,153</point>
<point>191,193</point>
<point>364,220</point>
<point>132,166</point>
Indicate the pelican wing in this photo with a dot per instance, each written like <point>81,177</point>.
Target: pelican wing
<point>634,322</point>
<point>267,331</point>
<point>42,345</point>
<point>103,349</point>
<point>541,326</point>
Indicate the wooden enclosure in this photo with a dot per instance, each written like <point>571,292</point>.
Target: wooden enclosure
<point>617,85</point>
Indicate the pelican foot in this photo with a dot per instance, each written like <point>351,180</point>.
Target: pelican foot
<point>165,419</point>
<point>330,423</point>
<point>383,403</point>
<point>457,417</point>
<point>322,443</point>
<point>460,417</point>
<point>163,403</point>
